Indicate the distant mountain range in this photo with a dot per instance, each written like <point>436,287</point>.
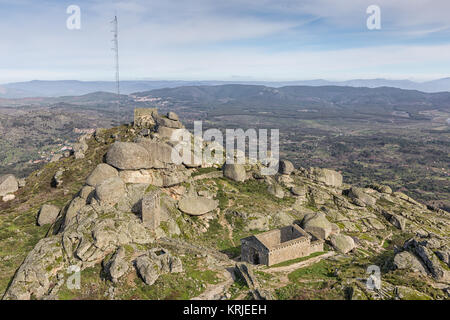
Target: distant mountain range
<point>40,88</point>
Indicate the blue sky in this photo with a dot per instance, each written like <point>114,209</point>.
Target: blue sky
<point>226,40</point>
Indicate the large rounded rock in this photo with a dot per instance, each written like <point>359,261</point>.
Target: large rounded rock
<point>128,156</point>
<point>359,194</point>
<point>102,172</point>
<point>318,225</point>
<point>8,184</point>
<point>160,153</point>
<point>235,172</point>
<point>110,191</point>
<point>342,243</point>
<point>286,167</point>
<point>197,206</point>
<point>329,177</point>
<point>276,190</point>
<point>47,214</point>
<point>172,116</point>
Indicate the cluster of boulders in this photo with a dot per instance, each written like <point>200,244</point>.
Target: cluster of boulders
<point>156,262</point>
<point>149,265</point>
<point>426,254</point>
<point>320,227</point>
<point>9,185</point>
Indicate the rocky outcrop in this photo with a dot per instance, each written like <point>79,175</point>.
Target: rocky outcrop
<point>8,184</point>
<point>197,206</point>
<point>380,188</point>
<point>172,116</point>
<point>80,148</point>
<point>326,176</point>
<point>396,220</point>
<point>147,269</point>
<point>159,153</point>
<point>158,261</point>
<point>276,190</point>
<point>427,257</point>
<point>342,243</point>
<point>34,277</point>
<point>286,167</point>
<point>118,265</point>
<point>47,214</point>
<point>110,191</point>
<point>317,224</point>
<point>101,173</point>
<point>235,172</point>
<point>361,198</point>
<point>407,260</point>
<point>128,156</point>
<point>57,180</point>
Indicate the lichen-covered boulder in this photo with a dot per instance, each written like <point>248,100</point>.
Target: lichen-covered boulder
<point>235,172</point>
<point>317,224</point>
<point>380,188</point>
<point>276,190</point>
<point>328,177</point>
<point>196,206</point>
<point>147,269</point>
<point>172,116</point>
<point>128,156</point>
<point>33,278</point>
<point>47,214</point>
<point>118,265</point>
<point>102,172</point>
<point>286,167</point>
<point>160,153</point>
<point>406,260</point>
<point>110,191</point>
<point>8,184</point>
<point>358,193</point>
<point>342,243</point>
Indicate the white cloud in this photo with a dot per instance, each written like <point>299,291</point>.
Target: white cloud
<point>206,39</point>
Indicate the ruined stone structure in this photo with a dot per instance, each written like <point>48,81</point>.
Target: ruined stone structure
<point>145,117</point>
<point>151,210</point>
<point>279,245</point>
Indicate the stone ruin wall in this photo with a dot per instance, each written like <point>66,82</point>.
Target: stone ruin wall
<point>316,246</point>
<point>251,247</point>
<point>289,250</point>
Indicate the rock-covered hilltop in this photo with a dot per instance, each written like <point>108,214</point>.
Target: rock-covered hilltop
<point>137,226</point>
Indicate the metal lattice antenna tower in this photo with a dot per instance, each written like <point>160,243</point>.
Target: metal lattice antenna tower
<point>116,57</point>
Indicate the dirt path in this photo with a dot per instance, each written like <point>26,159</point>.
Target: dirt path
<point>283,277</point>
<point>215,291</point>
